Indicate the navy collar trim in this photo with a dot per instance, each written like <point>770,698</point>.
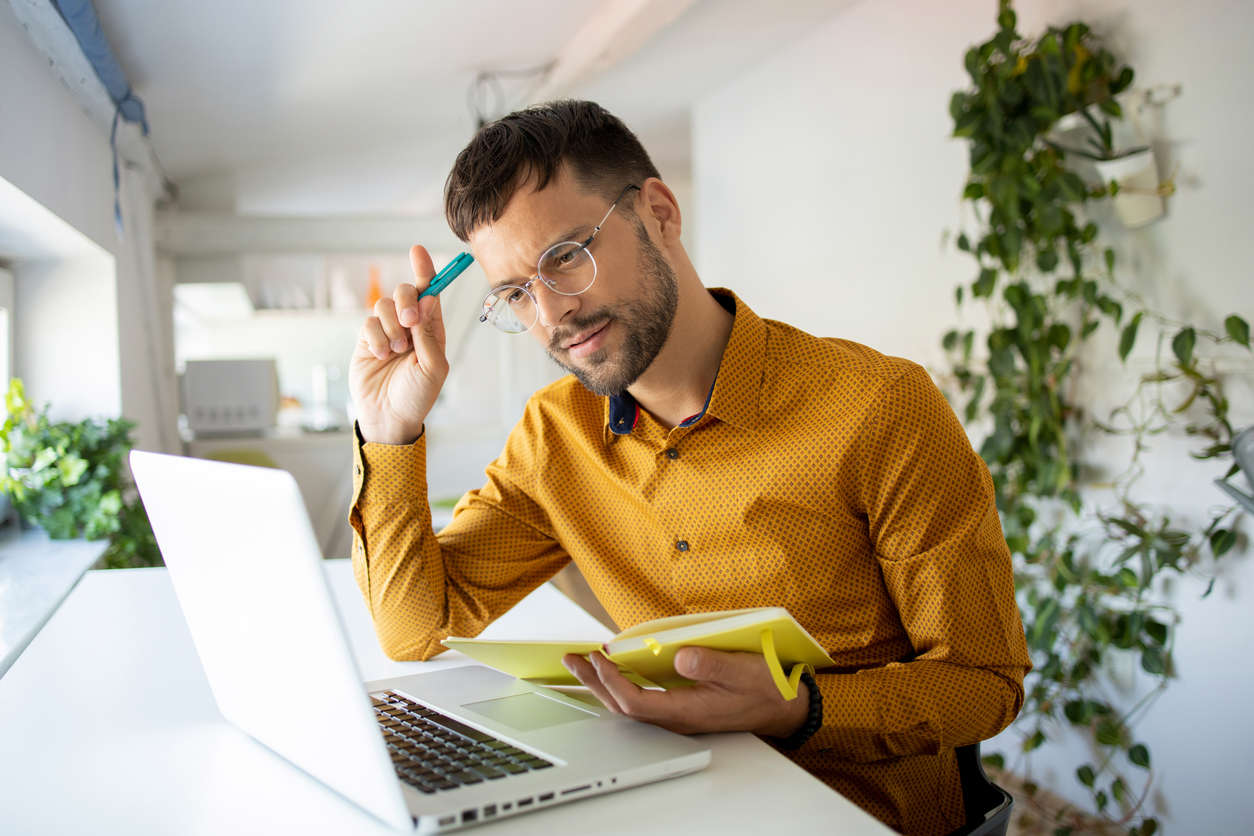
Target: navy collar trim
<point>625,412</point>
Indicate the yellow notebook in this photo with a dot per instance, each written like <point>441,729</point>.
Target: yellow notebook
<point>646,652</point>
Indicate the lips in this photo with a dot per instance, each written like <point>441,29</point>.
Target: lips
<point>585,336</point>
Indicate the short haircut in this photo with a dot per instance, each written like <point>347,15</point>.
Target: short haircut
<point>531,145</point>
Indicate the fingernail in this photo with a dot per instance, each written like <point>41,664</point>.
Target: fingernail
<point>409,317</point>
<point>398,345</point>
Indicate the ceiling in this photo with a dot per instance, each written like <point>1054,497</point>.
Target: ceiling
<point>277,106</point>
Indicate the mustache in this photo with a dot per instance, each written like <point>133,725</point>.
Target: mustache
<point>582,324</point>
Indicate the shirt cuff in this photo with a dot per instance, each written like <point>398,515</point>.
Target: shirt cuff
<point>389,473</point>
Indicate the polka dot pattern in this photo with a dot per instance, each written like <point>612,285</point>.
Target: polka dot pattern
<point>823,477</point>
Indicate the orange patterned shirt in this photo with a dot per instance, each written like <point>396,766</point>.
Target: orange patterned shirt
<point>822,476</point>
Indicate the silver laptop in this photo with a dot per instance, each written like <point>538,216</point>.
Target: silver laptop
<point>431,751</point>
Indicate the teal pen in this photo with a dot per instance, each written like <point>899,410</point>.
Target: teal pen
<point>445,277</point>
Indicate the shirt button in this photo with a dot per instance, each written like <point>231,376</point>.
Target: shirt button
<point>672,453</point>
<point>681,545</point>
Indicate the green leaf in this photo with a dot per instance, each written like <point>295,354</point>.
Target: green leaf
<point>1221,540</point>
<point>1085,775</point>
<point>964,243</point>
<point>983,286</point>
<point>1109,732</point>
<point>996,760</point>
<point>1101,799</point>
<point>973,191</point>
<point>1183,344</point>
<point>1035,741</point>
<point>1110,260</point>
<point>1238,329</point>
<point>1078,712</point>
<point>950,341</point>
<point>1046,260</point>
<point>1139,755</point>
<point>1128,338</point>
<point>1149,827</point>
<point>972,63</point>
<point>1110,307</point>
<point>1157,631</point>
<point>1119,790</point>
<point>1154,661</point>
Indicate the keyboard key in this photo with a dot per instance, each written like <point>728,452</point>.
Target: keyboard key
<point>465,777</point>
<point>491,773</point>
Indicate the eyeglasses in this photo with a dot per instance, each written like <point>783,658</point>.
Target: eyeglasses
<point>567,268</point>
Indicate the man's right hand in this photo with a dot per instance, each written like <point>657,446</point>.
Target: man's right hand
<point>399,365</point>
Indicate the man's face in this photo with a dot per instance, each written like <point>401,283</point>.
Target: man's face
<point>608,335</point>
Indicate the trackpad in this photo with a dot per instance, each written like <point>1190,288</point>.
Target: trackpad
<point>528,712</point>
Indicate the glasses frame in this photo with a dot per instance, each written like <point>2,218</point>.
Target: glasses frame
<point>526,286</point>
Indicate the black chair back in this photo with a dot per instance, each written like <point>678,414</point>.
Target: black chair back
<point>988,806</point>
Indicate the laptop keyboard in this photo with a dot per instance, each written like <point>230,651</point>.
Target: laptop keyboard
<point>433,752</point>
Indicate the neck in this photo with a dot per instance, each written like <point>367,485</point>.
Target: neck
<point>676,384</point>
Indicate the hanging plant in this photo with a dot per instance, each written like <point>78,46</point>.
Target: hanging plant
<point>1088,578</point>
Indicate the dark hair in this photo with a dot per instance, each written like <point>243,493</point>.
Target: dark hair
<point>603,154</point>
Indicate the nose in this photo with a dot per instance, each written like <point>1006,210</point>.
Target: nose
<point>552,307</point>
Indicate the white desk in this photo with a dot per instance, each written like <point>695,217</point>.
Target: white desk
<point>107,725</point>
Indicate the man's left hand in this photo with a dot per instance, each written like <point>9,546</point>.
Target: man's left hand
<point>730,692</point>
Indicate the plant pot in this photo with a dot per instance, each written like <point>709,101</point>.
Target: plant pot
<point>1137,201</point>
<point>1243,452</point>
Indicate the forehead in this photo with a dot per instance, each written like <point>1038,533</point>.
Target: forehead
<point>533,220</point>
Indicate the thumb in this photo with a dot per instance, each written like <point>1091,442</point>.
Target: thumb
<point>704,665</point>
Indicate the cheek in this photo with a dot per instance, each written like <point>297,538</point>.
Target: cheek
<point>540,334</point>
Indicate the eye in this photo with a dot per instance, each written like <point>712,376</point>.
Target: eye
<point>515,296</point>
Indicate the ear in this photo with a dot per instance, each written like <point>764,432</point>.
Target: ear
<point>660,205</point>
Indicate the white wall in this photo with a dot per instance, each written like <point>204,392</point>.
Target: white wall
<point>49,147</point>
<point>67,336</point>
<point>825,178</point>
<point>79,296</point>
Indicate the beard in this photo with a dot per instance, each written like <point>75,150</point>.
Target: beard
<point>646,320</point>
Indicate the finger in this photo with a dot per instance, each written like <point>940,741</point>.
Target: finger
<point>587,675</point>
<point>631,698</point>
<point>397,334</point>
<point>704,665</point>
<point>373,339</point>
<point>405,298</point>
<point>428,334</point>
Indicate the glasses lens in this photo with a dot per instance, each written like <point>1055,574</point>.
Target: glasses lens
<point>510,309</point>
<point>568,268</point>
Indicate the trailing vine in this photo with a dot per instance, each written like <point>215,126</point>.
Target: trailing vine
<point>1089,576</point>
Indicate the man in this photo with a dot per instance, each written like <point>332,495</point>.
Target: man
<point>697,458</point>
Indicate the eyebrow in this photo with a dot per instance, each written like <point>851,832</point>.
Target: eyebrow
<point>572,234</point>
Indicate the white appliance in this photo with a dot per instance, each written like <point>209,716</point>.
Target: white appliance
<point>230,397</point>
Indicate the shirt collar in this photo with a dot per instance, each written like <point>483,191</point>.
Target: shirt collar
<point>737,387</point>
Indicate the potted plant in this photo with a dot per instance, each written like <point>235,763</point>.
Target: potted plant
<point>67,478</point>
